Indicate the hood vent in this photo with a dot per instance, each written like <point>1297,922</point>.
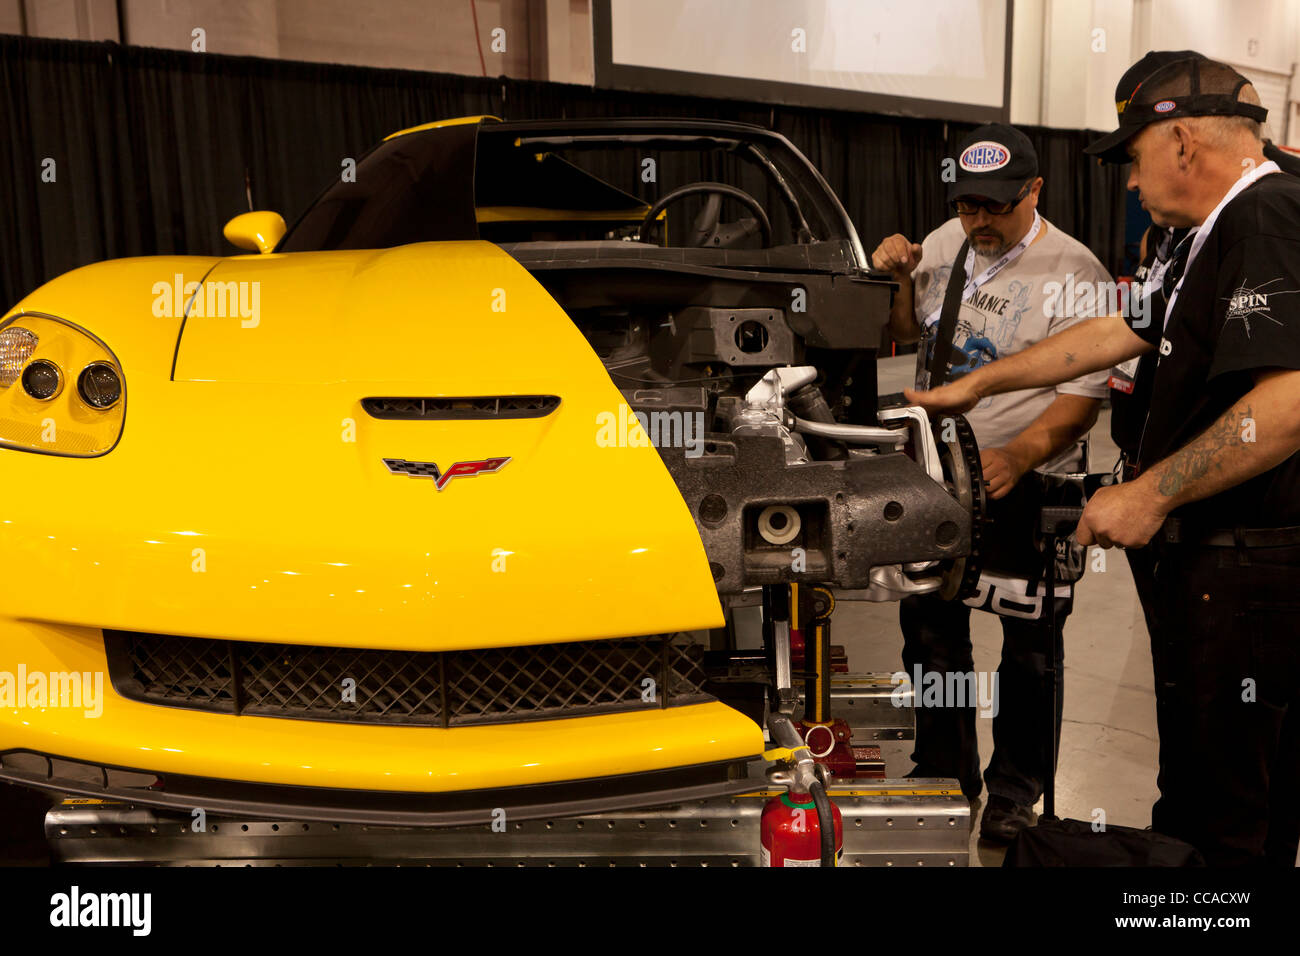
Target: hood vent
<point>462,409</point>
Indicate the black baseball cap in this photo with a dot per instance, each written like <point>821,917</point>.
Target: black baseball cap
<point>995,161</point>
<point>1169,83</point>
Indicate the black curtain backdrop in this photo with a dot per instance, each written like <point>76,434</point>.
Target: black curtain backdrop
<point>154,149</point>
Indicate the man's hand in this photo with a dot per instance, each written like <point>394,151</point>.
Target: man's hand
<point>897,256</point>
<point>954,398</point>
<point>1125,515</point>
<point>1002,470</point>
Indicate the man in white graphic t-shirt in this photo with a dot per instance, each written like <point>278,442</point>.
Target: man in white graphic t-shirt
<point>1024,280</point>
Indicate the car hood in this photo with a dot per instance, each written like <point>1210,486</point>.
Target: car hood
<point>249,496</point>
<point>461,317</point>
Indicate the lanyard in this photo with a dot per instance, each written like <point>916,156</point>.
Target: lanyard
<point>1199,239</point>
<point>1155,276</point>
<point>1010,256</point>
<point>1167,264</point>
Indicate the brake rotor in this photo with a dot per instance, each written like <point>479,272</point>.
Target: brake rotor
<point>963,476</point>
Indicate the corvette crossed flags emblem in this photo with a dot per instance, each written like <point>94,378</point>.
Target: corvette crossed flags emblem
<point>427,469</point>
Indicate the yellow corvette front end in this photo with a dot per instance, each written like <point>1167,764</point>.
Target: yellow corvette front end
<point>248,501</point>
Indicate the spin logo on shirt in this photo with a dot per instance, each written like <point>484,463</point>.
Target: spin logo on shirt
<point>984,157</point>
<point>1251,302</point>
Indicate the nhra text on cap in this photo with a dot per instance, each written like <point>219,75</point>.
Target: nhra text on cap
<point>994,161</point>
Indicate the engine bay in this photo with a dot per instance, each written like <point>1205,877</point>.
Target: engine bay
<point>759,391</point>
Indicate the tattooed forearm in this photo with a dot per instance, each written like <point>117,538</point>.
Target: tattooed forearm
<point>1259,432</point>
<point>1197,459</point>
<point>1069,358</point>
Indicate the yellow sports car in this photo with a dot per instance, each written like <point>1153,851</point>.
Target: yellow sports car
<point>439,503</point>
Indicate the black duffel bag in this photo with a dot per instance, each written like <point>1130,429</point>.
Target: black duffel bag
<point>1075,843</point>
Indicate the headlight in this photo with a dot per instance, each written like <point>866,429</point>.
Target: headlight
<point>99,385</point>
<point>42,380</point>
<point>41,356</point>
<point>16,347</point>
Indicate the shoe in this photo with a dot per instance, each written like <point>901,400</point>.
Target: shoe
<point>1003,819</point>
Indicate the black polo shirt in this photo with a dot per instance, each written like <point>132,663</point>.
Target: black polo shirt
<point>1238,311</point>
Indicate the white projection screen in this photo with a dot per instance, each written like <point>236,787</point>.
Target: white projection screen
<point>944,59</point>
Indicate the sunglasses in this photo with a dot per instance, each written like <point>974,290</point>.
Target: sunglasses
<point>969,207</point>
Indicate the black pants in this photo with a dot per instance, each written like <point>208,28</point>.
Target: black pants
<point>936,636</point>
<point>1225,642</point>
<point>1141,561</point>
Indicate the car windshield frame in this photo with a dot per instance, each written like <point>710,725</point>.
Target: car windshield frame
<point>448,157</point>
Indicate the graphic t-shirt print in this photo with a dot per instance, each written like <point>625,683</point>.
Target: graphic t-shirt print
<point>986,326</point>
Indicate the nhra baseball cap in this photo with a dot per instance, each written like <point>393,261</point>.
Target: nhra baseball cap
<point>1169,83</point>
<point>994,161</point>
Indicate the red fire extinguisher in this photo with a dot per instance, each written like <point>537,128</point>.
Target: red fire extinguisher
<point>791,831</point>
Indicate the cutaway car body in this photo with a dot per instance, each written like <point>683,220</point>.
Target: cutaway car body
<point>443,502</point>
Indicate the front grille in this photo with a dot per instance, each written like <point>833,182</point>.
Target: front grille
<point>462,409</point>
<point>428,688</point>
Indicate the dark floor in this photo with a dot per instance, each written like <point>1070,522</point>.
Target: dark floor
<point>22,832</point>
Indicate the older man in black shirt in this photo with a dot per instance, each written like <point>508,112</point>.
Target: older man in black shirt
<point>1216,490</point>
